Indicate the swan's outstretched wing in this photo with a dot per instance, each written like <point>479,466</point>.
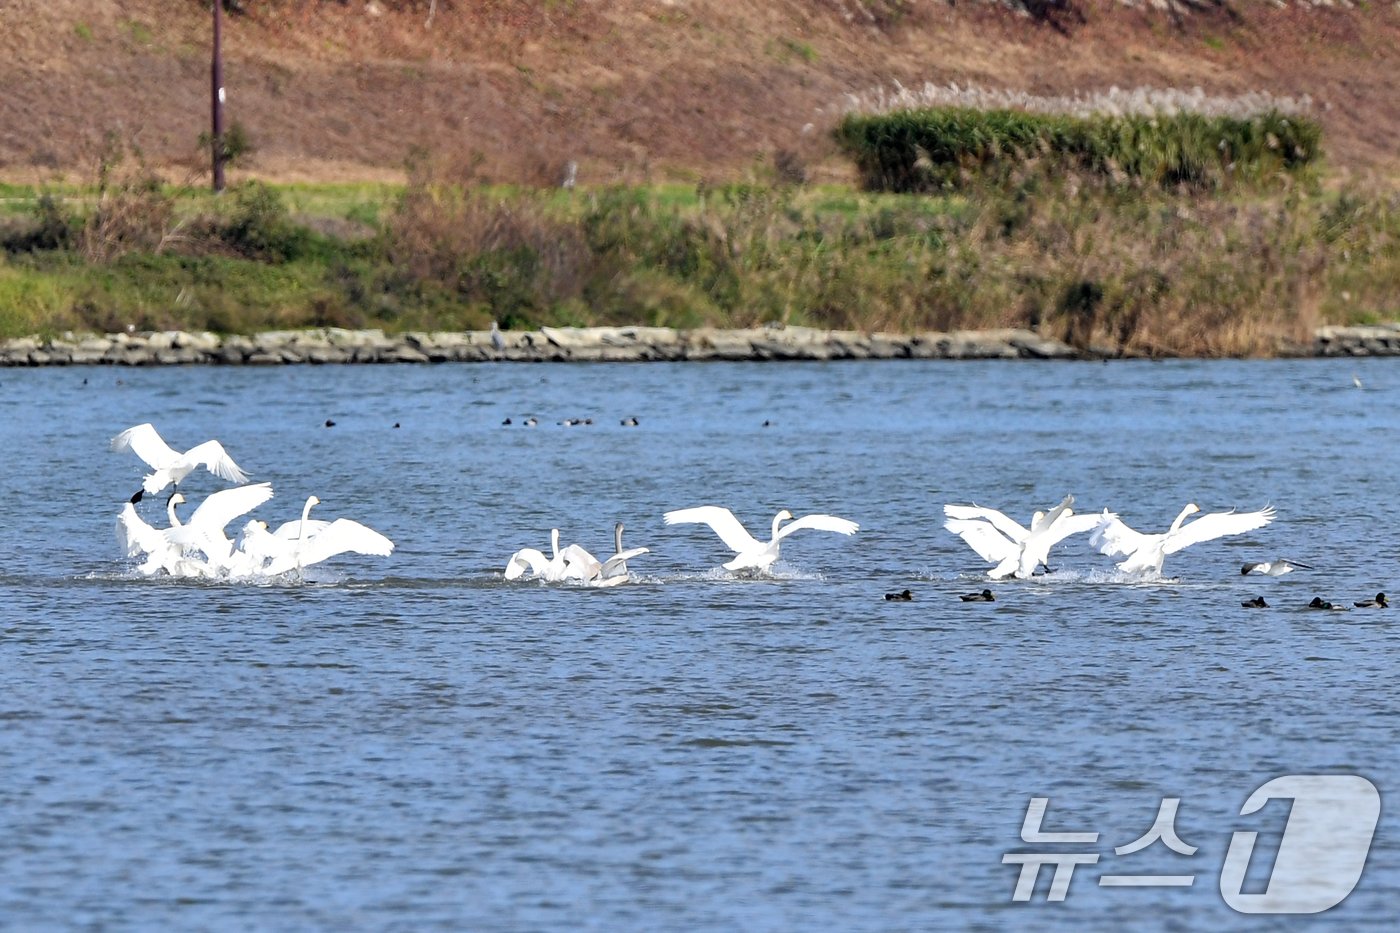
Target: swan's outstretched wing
<point>1048,519</point>
<point>618,562</point>
<point>259,546</point>
<point>290,531</point>
<point>1071,525</point>
<point>989,543</point>
<point>222,507</point>
<point>819,523</point>
<point>1217,525</point>
<point>212,456</point>
<point>579,563</point>
<point>143,441</point>
<point>342,536</point>
<point>1003,523</point>
<point>1115,539</point>
<point>722,521</point>
<point>205,529</point>
<point>523,560</point>
<point>135,536</point>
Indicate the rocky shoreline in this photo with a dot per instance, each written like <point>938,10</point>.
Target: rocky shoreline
<point>597,344</point>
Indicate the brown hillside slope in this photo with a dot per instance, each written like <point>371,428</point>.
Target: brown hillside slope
<point>632,89</point>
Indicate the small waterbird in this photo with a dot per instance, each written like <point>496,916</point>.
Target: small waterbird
<point>1274,568</point>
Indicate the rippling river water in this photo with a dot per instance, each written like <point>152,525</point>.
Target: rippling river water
<point>411,743</point>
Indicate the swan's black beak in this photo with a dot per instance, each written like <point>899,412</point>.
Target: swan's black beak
<point>137,498</point>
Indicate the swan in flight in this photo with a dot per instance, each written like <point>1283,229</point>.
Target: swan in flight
<point>752,554</point>
<point>1015,550</point>
<point>295,546</point>
<point>1143,554</point>
<point>586,568</point>
<point>170,465</point>
<point>1274,568</point>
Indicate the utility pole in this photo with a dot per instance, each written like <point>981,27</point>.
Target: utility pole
<point>216,74</point>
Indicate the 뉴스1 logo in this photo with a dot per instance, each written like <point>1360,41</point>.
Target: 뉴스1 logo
<point>1319,861</point>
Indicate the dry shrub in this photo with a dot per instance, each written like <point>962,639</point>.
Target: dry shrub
<point>1199,277</point>
<point>513,255</point>
<point>133,212</point>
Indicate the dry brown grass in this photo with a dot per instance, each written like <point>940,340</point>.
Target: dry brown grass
<point>632,89</point>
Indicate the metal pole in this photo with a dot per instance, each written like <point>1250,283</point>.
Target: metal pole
<point>216,73</point>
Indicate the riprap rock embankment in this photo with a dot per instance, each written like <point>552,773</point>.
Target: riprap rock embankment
<point>593,344</point>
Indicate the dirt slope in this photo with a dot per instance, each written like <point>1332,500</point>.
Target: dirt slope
<point>632,89</point>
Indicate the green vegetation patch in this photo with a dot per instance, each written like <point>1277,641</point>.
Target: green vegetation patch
<point>943,148</point>
<point>1114,269</point>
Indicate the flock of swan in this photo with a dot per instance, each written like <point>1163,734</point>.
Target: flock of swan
<point>575,565</point>
<point>200,546</point>
<point>1017,550</point>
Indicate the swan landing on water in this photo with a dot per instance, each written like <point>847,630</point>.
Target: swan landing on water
<point>1015,550</point>
<point>610,572</point>
<point>201,549</point>
<point>553,569</point>
<point>1143,554</point>
<point>573,564</point>
<point>752,554</point>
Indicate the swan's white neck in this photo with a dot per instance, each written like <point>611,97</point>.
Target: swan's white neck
<point>170,511</point>
<point>777,520</point>
<point>305,514</point>
<point>301,531</point>
<point>617,538</point>
<point>554,542</point>
<point>1176,525</point>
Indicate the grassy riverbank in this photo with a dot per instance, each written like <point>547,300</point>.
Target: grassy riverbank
<point>1138,269</point>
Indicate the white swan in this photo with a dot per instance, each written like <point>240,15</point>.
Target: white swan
<point>614,569</point>
<point>553,569</point>
<point>1274,568</point>
<point>314,542</point>
<point>1015,550</point>
<point>610,572</point>
<point>1143,554</point>
<point>752,554</point>
<point>137,538</point>
<point>170,465</point>
<point>205,528</point>
<point>253,549</point>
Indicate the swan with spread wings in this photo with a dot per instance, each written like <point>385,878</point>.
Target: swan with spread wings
<point>1015,549</point>
<point>1143,554</point>
<point>750,553</point>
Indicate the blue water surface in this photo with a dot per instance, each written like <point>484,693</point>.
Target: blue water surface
<point>411,743</point>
